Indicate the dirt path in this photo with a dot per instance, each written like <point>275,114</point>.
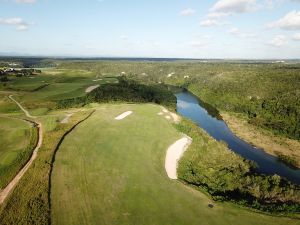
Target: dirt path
<point>174,153</point>
<point>6,191</point>
<point>22,108</point>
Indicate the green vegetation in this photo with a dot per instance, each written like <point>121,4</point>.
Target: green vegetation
<point>267,93</point>
<point>116,175</point>
<point>210,165</point>
<point>18,139</point>
<point>287,159</point>
<point>29,201</point>
<point>125,91</point>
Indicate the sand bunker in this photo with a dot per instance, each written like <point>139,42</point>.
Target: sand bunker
<point>123,115</point>
<point>174,153</point>
<point>91,88</point>
<point>175,117</point>
<point>168,115</point>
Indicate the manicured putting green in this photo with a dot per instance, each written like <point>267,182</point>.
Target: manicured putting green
<point>112,172</point>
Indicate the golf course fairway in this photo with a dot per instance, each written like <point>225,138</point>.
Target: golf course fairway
<point>109,171</point>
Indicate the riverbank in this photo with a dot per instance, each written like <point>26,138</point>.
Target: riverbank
<point>226,176</point>
<point>261,138</point>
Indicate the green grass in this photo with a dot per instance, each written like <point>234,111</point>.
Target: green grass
<point>17,142</point>
<point>112,172</point>
<point>61,84</point>
<point>28,203</point>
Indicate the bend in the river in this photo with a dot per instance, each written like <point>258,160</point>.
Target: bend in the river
<point>189,107</point>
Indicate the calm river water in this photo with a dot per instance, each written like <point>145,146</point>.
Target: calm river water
<point>189,107</point>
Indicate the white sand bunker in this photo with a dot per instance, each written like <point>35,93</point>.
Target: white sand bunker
<point>174,153</point>
<point>168,115</point>
<point>66,119</point>
<point>123,115</point>
<point>91,88</point>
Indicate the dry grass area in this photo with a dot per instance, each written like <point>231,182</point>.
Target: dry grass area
<point>262,138</point>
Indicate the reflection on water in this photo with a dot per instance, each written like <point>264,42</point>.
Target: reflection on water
<point>189,107</point>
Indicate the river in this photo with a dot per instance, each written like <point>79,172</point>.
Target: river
<point>189,107</point>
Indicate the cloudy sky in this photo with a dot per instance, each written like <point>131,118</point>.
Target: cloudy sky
<point>158,28</point>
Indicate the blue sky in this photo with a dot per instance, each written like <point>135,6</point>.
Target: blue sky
<point>157,28</point>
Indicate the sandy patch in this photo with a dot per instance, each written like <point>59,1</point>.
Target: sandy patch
<point>91,88</point>
<point>97,80</point>
<point>169,115</point>
<point>66,119</point>
<point>174,153</point>
<point>123,115</point>
<point>175,117</point>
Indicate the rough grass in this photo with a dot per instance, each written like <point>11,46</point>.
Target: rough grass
<point>28,203</point>
<point>18,139</point>
<point>112,172</point>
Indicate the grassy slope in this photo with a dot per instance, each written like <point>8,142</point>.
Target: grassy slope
<point>15,137</point>
<point>112,172</point>
<point>28,203</point>
<point>62,84</point>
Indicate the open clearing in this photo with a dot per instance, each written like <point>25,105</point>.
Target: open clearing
<point>116,175</point>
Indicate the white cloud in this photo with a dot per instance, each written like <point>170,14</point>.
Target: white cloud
<point>22,27</point>
<point>26,1</point>
<point>210,23</point>
<point>236,32</point>
<point>19,23</point>
<point>187,12</point>
<point>290,21</point>
<point>225,8</point>
<point>234,6</point>
<point>296,37</point>
<point>278,41</point>
<point>217,14</point>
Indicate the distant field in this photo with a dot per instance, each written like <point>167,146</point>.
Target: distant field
<point>112,172</point>
<point>39,93</point>
<point>15,138</point>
